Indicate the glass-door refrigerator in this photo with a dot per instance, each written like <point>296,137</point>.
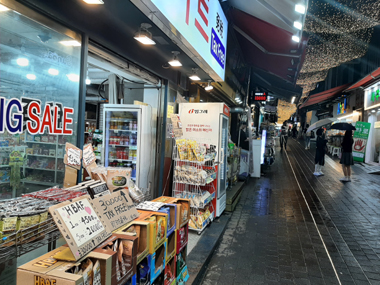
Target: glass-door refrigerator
<point>128,140</point>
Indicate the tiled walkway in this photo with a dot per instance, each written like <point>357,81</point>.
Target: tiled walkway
<point>293,228</point>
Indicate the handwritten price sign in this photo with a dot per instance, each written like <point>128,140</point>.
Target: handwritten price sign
<point>88,155</point>
<point>73,156</point>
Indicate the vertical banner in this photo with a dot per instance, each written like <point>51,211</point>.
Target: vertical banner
<point>360,140</point>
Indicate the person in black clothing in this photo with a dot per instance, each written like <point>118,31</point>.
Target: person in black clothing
<point>284,135</point>
<point>347,160</point>
<point>320,153</point>
<point>244,141</point>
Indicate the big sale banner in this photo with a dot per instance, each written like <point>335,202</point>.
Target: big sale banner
<point>360,140</point>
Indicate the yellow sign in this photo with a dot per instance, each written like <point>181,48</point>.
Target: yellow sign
<point>170,111</point>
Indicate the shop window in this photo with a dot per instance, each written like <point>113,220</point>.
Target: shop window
<point>39,71</point>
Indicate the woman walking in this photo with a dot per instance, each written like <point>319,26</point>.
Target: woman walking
<point>347,160</point>
<point>307,137</point>
<point>320,153</point>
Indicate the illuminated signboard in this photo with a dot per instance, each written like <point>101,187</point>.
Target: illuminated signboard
<point>372,97</point>
<point>342,107</point>
<point>261,96</point>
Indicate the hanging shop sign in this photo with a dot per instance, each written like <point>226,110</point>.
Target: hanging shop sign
<point>372,97</point>
<point>342,107</point>
<point>203,25</point>
<point>25,114</point>
<point>360,140</point>
<point>260,96</point>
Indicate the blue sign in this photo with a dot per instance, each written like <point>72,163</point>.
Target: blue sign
<point>217,49</point>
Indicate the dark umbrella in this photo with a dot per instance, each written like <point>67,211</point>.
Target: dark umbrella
<point>343,127</point>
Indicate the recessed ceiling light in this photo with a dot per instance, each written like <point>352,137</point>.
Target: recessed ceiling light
<point>209,86</point>
<point>31,76</point>
<point>88,81</point>
<point>300,8</point>
<point>94,2</point>
<point>143,35</point>
<point>194,76</point>
<point>3,8</point>
<point>373,111</point>
<point>175,62</point>
<point>22,61</point>
<point>298,25</point>
<point>73,77</point>
<point>72,43</point>
<point>296,38</point>
<point>53,71</point>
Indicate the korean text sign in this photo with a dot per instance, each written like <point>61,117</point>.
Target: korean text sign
<point>203,24</point>
<point>360,140</point>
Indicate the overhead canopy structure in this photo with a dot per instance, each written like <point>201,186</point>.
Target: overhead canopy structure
<point>324,96</point>
<point>368,80</point>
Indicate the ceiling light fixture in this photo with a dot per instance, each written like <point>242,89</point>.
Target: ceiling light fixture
<point>143,35</point>
<point>175,62</point>
<point>72,43</point>
<point>73,77</point>
<point>209,86</point>
<point>3,8</point>
<point>53,71</point>
<point>194,76</point>
<point>22,61</point>
<point>298,25</point>
<point>94,2</point>
<point>31,76</point>
<point>373,111</point>
<point>296,38</point>
<point>300,8</point>
<point>88,81</point>
<point>294,98</point>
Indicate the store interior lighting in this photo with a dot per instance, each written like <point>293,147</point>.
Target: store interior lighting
<point>194,76</point>
<point>209,86</point>
<point>73,77</point>
<point>175,62</point>
<point>96,2</point>
<point>298,25</point>
<point>3,8</point>
<point>143,35</point>
<point>53,71</point>
<point>72,43</point>
<point>22,61</point>
<point>296,38</point>
<point>300,8</point>
<point>373,111</point>
<point>31,76</point>
<point>294,98</point>
<point>88,81</point>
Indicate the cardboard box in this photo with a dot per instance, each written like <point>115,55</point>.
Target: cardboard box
<point>155,228</point>
<point>181,261</point>
<point>157,265</point>
<point>182,238</point>
<point>171,247</point>
<point>37,271</point>
<point>143,234</point>
<point>170,271</point>
<point>171,210</point>
<point>143,271</point>
<point>119,277</point>
<point>183,208</point>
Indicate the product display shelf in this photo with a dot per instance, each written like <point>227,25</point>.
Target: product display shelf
<point>29,239</point>
<point>191,181</point>
<point>44,183</point>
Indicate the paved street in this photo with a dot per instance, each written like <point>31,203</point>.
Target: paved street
<point>293,228</point>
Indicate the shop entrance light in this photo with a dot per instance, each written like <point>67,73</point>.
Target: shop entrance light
<point>209,87</point>
<point>194,76</point>
<point>31,76</point>
<point>298,25</point>
<point>300,8</point>
<point>143,35</point>
<point>296,38</point>
<point>175,62</point>
<point>97,2</point>
<point>22,61</point>
<point>53,71</point>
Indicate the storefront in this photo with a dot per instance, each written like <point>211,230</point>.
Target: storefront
<point>372,116</point>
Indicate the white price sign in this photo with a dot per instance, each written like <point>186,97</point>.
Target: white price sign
<point>88,155</point>
<point>73,157</point>
<point>81,220</point>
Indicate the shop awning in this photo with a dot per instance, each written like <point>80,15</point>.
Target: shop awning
<point>324,96</point>
<point>370,78</point>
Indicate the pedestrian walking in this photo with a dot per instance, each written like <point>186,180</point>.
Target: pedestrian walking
<point>346,159</point>
<point>307,137</point>
<point>284,135</point>
<point>320,153</point>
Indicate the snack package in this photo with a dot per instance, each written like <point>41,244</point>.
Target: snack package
<point>97,274</point>
<point>160,229</point>
<point>127,246</point>
<point>118,272</point>
<point>118,177</point>
<point>134,192</point>
<point>87,272</point>
<point>121,259</point>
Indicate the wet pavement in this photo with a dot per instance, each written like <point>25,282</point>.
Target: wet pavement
<point>291,227</point>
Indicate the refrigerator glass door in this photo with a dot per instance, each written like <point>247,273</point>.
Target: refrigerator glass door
<point>121,139</point>
<point>222,168</point>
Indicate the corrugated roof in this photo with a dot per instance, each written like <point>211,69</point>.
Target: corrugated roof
<point>373,76</point>
<point>324,96</point>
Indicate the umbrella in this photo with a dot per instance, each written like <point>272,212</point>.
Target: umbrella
<point>320,123</point>
<point>343,126</point>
